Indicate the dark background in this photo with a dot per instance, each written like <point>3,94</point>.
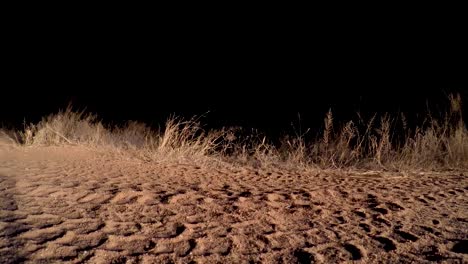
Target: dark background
<point>262,75</point>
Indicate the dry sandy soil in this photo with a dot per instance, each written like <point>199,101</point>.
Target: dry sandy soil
<point>77,205</point>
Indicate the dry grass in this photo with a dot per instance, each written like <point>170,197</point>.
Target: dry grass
<point>435,144</point>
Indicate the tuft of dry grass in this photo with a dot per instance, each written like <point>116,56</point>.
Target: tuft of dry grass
<point>435,144</point>
<point>184,140</point>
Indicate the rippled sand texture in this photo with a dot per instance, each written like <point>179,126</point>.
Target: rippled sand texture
<point>75,205</point>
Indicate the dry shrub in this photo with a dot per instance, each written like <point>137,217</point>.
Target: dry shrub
<point>435,144</point>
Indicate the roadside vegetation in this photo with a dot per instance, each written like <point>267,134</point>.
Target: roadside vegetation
<point>385,142</point>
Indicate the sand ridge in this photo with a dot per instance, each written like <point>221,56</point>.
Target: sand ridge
<point>76,205</point>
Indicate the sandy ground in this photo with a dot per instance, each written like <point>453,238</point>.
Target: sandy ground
<point>75,205</point>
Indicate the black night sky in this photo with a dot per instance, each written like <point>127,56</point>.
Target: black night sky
<point>260,77</point>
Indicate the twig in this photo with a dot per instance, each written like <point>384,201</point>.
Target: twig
<point>66,139</point>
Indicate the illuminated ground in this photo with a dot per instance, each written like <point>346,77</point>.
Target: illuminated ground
<point>72,204</point>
